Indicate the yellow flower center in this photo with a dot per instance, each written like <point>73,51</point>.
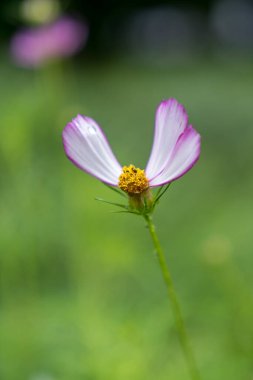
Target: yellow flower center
<point>133,180</point>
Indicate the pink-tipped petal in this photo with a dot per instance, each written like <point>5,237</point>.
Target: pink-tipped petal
<point>87,147</point>
<point>184,156</point>
<point>171,121</point>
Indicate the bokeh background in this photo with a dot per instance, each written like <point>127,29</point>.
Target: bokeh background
<point>81,294</point>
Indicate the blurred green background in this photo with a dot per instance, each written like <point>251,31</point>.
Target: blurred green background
<point>81,293</point>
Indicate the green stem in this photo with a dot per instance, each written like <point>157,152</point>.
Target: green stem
<point>183,336</point>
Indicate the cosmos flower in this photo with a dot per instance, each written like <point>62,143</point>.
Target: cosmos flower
<point>34,47</point>
<point>176,148</point>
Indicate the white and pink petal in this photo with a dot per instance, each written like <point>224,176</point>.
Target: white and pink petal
<point>171,120</point>
<point>185,154</point>
<point>87,147</point>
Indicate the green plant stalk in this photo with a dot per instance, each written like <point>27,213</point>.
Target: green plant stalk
<point>183,336</point>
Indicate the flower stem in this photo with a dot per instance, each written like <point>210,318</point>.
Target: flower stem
<point>183,336</point>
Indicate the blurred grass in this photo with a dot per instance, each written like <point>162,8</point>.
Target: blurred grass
<point>81,292</point>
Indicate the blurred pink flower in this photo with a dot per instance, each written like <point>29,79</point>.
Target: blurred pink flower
<point>36,46</point>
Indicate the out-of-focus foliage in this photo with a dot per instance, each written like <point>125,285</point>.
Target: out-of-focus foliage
<point>80,289</point>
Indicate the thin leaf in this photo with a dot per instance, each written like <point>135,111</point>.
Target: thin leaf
<point>112,203</point>
<point>158,191</point>
<point>116,190</point>
<point>162,193</point>
<point>126,212</point>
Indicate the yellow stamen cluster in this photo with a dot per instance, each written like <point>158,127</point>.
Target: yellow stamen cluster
<point>133,180</point>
